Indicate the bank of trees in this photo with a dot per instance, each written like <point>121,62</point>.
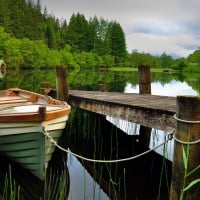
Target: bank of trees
<point>26,53</point>
<point>32,38</point>
<point>30,29</point>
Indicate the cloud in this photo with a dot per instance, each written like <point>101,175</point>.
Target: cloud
<point>155,27</point>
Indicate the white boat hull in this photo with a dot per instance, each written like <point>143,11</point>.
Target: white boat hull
<point>26,143</point>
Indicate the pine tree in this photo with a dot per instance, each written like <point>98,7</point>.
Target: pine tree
<point>92,34</point>
<point>4,15</point>
<point>117,42</point>
<point>77,32</point>
<point>50,35</point>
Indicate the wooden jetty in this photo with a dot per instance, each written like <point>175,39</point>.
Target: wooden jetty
<point>148,110</point>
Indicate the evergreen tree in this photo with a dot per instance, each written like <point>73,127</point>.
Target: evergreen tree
<point>93,26</point>
<point>77,32</point>
<point>117,42</point>
<point>103,42</point>
<point>4,15</point>
<point>63,33</point>
<point>50,35</point>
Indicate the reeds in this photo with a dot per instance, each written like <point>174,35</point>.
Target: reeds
<point>11,190</point>
<point>185,155</point>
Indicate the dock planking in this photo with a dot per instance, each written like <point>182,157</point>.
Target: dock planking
<point>148,110</point>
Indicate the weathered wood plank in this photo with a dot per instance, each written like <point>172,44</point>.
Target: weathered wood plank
<point>148,110</point>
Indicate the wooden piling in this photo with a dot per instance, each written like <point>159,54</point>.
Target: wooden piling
<point>61,83</point>
<point>102,87</point>
<point>42,112</point>
<point>144,79</point>
<point>187,131</point>
<point>144,88</point>
<point>2,68</point>
<point>45,88</point>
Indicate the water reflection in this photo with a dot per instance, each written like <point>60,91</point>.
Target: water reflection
<point>88,79</point>
<point>156,137</point>
<point>173,88</point>
<point>18,183</point>
<point>82,184</point>
<point>125,180</point>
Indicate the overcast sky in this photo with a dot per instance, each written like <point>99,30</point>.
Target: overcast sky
<point>150,26</point>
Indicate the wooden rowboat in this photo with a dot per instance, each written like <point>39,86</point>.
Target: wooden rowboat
<point>25,118</point>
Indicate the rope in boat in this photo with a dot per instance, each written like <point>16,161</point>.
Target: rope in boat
<point>50,138</point>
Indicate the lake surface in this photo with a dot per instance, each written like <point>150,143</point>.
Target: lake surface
<point>173,88</point>
<point>95,137</point>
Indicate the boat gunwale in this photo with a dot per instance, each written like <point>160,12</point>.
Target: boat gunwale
<point>65,108</point>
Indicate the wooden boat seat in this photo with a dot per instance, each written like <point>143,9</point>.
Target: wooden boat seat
<point>12,99</point>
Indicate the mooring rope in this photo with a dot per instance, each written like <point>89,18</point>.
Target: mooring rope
<point>184,142</point>
<point>188,122</point>
<point>50,138</point>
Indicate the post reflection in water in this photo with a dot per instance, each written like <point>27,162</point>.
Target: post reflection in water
<point>153,136</point>
<point>147,177</point>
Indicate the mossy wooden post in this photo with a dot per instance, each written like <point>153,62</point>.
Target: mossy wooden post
<point>2,68</point>
<point>187,113</point>
<point>45,86</point>
<point>61,83</point>
<point>144,88</point>
<point>102,87</point>
<point>144,79</point>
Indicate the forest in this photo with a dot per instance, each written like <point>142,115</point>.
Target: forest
<point>32,38</point>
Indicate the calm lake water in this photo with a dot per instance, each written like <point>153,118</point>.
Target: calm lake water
<point>96,137</point>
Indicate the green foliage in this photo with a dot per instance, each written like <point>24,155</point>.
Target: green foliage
<point>165,60</point>
<point>31,38</point>
<point>136,59</point>
<point>12,52</point>
<point>194,57</point>
<point>67,57</point>
<point>3,38</point>
<point>179,65</point>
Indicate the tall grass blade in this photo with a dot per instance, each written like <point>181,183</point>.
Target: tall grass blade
<point>194,170</point>
<point>191,184</point>
<point>185,160</point>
